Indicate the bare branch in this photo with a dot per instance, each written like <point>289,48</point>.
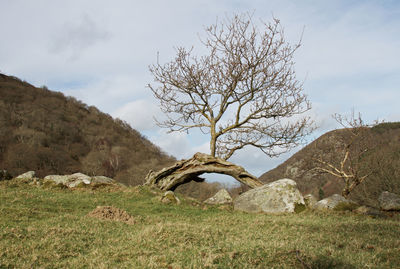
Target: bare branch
<point>244,90</point>
<point>354,148</point>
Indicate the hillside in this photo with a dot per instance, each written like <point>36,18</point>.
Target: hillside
<point>383,160</point>
<point>50,133</point>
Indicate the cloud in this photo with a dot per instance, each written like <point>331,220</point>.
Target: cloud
<point>110,93</point>
<point>139,114</point>
<point>99,51</point>
<point>74,38</point>
<point>177,144</point>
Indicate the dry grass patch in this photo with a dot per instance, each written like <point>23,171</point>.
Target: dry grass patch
<point>43,228</point>
<point>111,213</point>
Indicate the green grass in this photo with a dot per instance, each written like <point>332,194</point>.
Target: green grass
<point>49,228</point>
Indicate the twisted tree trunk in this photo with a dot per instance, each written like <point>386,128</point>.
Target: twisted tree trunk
<point>187,170</point>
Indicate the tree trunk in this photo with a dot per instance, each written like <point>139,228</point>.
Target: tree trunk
<point>187,170</point>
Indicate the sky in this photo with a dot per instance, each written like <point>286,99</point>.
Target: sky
<point>99,52</point>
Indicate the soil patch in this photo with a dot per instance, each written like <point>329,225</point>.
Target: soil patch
<point>111,213</point>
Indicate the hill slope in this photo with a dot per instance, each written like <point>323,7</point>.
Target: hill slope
<point>47,132</point>
<point>383,159</point>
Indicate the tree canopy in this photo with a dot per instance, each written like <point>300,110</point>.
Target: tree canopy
<point>243,92</point>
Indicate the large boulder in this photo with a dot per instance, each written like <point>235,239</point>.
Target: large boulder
<point>220,198</point>
<point>281,196</point>
<point>28,175</point>
<point>389,201</point>
<point>335,202</point>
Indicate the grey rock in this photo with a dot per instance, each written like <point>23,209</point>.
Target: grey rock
<point>389,201</point>
<point>281,196</point>
<point>70,181</point>
<point>99,180</point>
<point>57,179</point>
<point>335,202</point>
<point>77,179</point>
<point>220,198</point>
<point>80,177</point>
<point>27,175</point>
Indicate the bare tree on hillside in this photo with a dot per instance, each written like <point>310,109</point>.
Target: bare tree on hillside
<point>356,145</point>
<point>244,92</point>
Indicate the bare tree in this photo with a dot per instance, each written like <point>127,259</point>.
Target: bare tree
<point>355,146</point>
<point>244,92</point>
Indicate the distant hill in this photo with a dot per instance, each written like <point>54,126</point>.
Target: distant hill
<point>383,159</point>
<point>50,133</point>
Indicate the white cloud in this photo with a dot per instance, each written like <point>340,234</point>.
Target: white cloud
<point>139,114</point>
<point>75,37</point>
<point>177,144</point>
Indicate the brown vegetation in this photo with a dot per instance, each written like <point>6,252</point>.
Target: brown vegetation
<point>383,159</point>
<point>111,213</point>
<point>349,167</point>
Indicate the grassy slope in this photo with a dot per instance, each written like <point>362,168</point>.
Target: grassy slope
<point>49,228</point>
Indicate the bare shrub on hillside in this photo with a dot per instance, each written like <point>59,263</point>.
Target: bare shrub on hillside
<point>349,167</point>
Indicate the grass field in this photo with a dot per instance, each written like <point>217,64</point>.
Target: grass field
<point>50,228</point>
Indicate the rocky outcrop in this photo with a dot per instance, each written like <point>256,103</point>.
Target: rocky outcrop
<point>335,202</point>
<point>281,196</point>
<point>28,175</point>
<point>389,201</point>
<point>169,197</point>
<point>78,179</point>
<point>220,198</point>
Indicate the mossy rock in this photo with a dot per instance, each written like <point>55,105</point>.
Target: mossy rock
<point>169,197</point>
<point>336,202</point>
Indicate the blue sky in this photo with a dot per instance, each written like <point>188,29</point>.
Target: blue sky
<point>99,52</point>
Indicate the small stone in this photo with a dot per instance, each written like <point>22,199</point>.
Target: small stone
<point>57,179</point>
<point>170,197</point>
<point>220,198</point>
<point>99,180</point>
<point>27,175</point>
<point>389,201</point>
<point>335,202</point>
<point>80,177</point>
